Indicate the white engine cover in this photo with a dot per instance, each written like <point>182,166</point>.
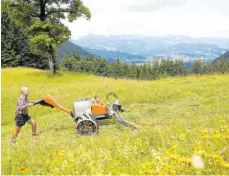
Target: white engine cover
<point>82,106</point>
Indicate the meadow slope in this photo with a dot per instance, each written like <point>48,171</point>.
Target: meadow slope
<point>179,118</point>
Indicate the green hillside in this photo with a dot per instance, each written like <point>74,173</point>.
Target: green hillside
<point>69,48</point>
<point>223,56</point>
<point>178,118</point>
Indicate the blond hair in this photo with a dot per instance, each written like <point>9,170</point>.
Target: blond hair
<point>23,89</point>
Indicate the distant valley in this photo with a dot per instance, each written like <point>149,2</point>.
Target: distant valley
<point>140,49</point>
<point>112,55</point>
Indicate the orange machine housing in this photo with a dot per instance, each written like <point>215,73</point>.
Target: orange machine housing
<point>99,109</point>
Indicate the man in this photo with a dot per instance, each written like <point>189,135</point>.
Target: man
<point>22,113</point>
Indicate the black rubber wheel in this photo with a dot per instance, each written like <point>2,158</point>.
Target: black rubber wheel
<point>86,127</point>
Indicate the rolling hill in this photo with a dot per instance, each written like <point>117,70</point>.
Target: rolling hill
<point>223,56</point>
<point>69,48</point>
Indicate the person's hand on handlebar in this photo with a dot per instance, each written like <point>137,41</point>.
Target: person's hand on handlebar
<point>30,104</point>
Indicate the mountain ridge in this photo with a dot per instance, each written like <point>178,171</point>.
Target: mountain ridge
<point>175,47</point>
<point>111,55</point>
<point>224,56</point>
<point>69,48</point>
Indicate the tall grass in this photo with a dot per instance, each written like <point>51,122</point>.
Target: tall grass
<point>178,118</point>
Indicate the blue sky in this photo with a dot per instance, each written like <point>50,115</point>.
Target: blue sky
<point>195,18</point>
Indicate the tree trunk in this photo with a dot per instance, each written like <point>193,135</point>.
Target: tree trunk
<point>54,66</point>
<point>51,66</point>
<point>52,61</point>
<point>42,10</point>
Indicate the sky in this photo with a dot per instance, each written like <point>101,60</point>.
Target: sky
<point>194,18</point>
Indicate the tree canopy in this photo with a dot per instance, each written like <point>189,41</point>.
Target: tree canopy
<point>14,47</point>
<point>41,21</point>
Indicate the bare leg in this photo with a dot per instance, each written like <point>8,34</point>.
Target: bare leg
<point>16,131</point>
<point>34,126</point>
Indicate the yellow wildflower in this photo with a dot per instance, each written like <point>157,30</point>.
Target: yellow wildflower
<point>24,170</point>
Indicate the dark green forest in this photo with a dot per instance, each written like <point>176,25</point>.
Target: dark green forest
<point>15,50</point>
<point>147,71</point>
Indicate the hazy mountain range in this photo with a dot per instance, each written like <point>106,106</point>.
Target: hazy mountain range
<point>134,48</point>
<point>112,55</point>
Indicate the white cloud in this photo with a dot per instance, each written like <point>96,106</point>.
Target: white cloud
<point>197,18</point>
<point>151,5</point>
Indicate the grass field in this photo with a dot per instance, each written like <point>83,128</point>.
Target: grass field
<point>178,118</point>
